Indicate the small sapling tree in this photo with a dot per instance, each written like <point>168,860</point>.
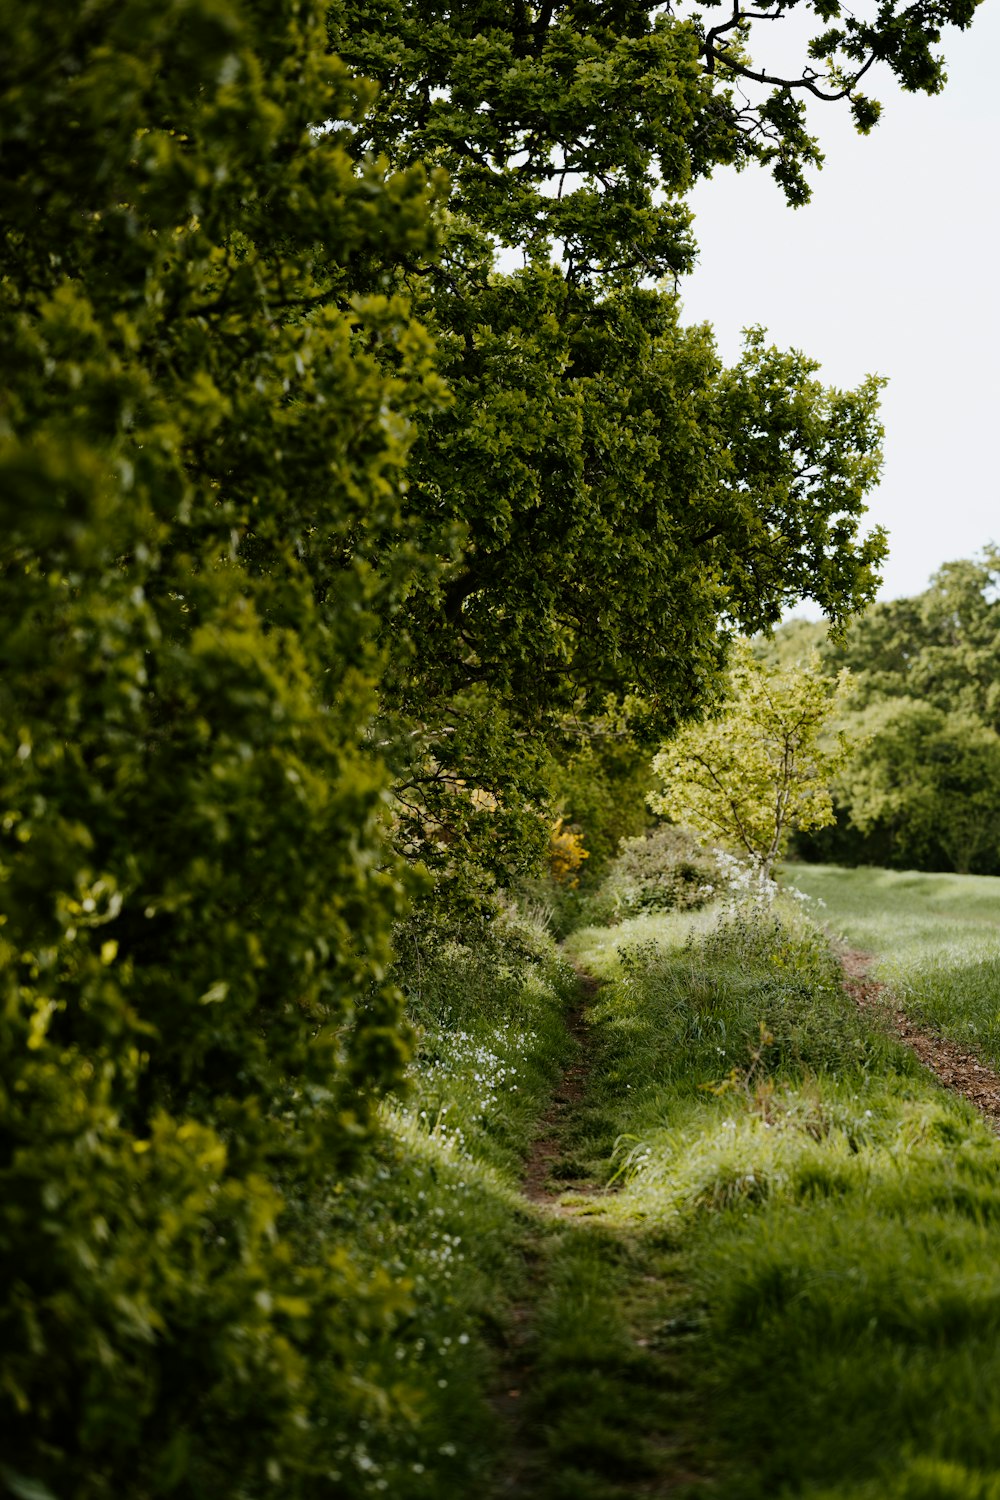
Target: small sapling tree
<point>763,765</point>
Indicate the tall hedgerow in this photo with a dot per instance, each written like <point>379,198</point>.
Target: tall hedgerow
<point>204,404</point>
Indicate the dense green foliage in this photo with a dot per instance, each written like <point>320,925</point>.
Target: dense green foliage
<point>585,123</point>
<point>200,451</point>
<point>626,511</point>
<point>663,869</point>
<point>620,493</point>
<point>317,537</point>
<point>607,503</point>
<point>762,765</point>
<point>924,791</point>
<point>600,786</point>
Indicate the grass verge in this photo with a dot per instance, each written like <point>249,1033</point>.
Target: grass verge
<point>787,1288</point>
<point>437,1221</point>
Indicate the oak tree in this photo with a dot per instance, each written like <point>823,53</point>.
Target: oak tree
<point>609,505</point>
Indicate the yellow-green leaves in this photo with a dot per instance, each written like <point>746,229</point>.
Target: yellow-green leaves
<point>763,765</point>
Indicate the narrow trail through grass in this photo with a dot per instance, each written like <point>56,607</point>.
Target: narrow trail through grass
<point>592,1399</point>
<point>789,1286</point>
<point>600,1380</point>
<point>546,1158</point>
<point>697,1226</point>
<point>934,941</point>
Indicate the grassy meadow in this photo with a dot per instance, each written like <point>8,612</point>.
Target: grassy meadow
<point>762,1263</point>
<point>936,939</point>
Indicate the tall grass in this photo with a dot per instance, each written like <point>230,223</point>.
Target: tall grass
<point>835,1214</point>
<point>788,1286</point>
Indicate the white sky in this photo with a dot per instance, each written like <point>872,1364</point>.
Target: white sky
<point>893,268</point>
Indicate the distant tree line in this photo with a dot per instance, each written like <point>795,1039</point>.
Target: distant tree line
<point>923,790</point>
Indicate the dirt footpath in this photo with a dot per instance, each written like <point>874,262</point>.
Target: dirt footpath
<point>955,1068</point>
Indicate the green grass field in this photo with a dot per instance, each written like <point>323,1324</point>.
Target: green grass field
<point>936,938</point>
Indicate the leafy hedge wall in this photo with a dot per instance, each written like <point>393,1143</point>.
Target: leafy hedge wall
<point>200,446</point>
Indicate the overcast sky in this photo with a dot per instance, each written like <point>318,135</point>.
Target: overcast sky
<point>893,268</point>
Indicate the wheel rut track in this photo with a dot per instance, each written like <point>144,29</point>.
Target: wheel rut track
<point>953,1067</point>
<point>522,1476</point>
<point>547,1147</point>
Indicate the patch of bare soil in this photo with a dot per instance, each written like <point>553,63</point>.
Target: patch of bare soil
<point>951,1065</point>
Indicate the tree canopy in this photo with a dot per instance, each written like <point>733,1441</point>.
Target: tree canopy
<point>317,533</point>
<point>608,504</point>
<point>586,123</point>
<point>924,791</point>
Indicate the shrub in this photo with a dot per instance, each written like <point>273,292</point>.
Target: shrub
<point>663,869</point>
<point>600,788</point>
<point>566,854</point>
